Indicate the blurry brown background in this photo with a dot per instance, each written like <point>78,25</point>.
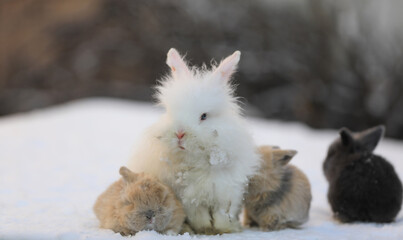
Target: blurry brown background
<point>325,63</point>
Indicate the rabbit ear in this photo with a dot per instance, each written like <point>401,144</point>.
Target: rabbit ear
<point>346,137</point>
<point>176,63</point>
<point>369,138</point>
<point>228,66</point>
<point>283,156</point>
<point>127,175</point>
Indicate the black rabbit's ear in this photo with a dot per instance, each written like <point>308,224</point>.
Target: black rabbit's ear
<point>127,175</point>
<point>369,138</point>
<point>346,137</point>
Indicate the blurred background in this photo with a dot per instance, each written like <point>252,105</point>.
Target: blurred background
<point>325,63</point>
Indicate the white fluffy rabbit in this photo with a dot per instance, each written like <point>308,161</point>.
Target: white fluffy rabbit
<point>200,146</point>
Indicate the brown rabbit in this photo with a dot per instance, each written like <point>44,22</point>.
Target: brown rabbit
<point>279,196</point>
<point>139,202</point>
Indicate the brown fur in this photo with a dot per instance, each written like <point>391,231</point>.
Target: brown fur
<point>125,205</point>
<point>279,196</point>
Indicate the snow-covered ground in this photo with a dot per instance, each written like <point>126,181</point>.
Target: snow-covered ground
<point>55,162</point>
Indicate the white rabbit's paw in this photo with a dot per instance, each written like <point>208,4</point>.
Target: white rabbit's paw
<point>171,232</point>
<point>200,220</point>
<point>224,223</point>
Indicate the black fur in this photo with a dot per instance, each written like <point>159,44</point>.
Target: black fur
<point>362,186</point>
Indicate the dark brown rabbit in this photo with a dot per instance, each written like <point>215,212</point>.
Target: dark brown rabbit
<point>362,186</point>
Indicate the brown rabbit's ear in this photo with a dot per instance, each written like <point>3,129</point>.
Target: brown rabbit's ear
<point>283,156</point>
<point>346,137</point>
<point>127,175</point>
<point>176,63</point>
<point>368,139</point>
<point>228,66</point>
<point>265,149</point>
<point>265,152</point>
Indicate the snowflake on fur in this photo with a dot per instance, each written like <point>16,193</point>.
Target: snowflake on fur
<point>218,157</point>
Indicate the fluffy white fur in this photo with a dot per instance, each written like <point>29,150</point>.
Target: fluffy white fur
<point>209,167</point>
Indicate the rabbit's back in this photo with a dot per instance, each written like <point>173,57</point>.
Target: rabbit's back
<point>105,205</point>
<point>300,197</point>
<point>367,189</point>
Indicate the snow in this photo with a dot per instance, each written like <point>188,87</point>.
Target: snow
<point>55,162</point>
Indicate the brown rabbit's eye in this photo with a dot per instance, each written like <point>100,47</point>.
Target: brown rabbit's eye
<point>203,117</point>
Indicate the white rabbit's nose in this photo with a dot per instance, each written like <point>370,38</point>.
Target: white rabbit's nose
<point>180,134</point>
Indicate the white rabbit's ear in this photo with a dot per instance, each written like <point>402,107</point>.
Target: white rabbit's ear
<point>176,63</point>
<point>228,66</point>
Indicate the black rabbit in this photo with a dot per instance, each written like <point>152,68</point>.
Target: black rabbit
<point>363,186</point>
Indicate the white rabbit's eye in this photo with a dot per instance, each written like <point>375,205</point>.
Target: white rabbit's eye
<point>203,117</point>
